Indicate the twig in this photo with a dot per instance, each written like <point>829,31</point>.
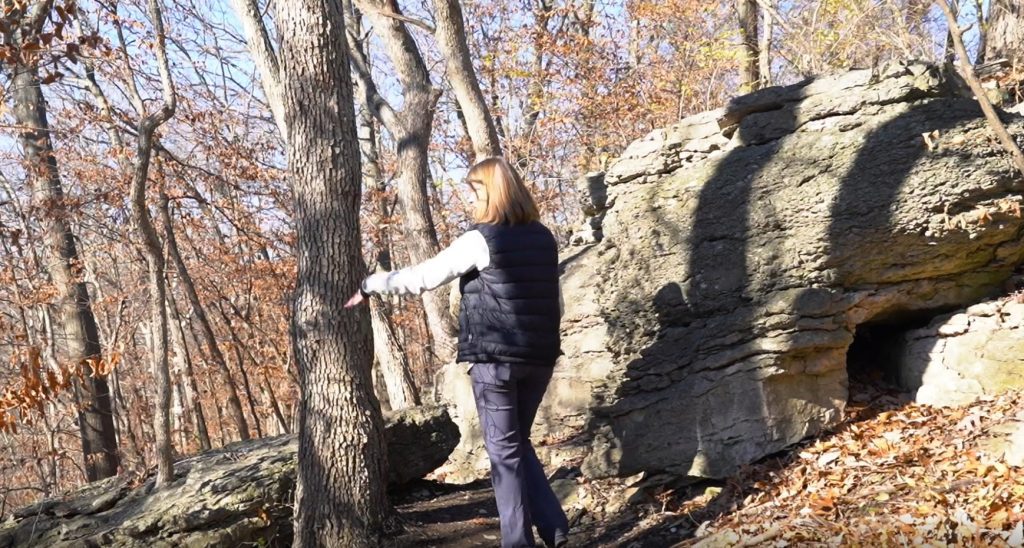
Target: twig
<point>986,106</point>
<point>403,18</point>
<point>763,537</point>
<point>775,15</point>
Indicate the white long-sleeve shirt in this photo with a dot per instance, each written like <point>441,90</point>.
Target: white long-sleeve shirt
<point>467,252</point>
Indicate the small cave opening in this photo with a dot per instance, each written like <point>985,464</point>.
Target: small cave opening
<point>873,359</point>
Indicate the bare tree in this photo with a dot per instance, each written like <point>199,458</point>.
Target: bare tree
<point>949,50</point>
<point>986,106</point>
<point>153,250</point>
<point>187,375</point>
<point>388,350</point>
<point>542,13</point>
<point>765,45</point>
<point>81,335</point>
<point>340,499</point>
<point>746,14</point>
<point>1004,33</point>
<point>410,128</point>
<point>450,30</point>
<point>178,333</point>
<point>234,402</point>
<point>261,48</point>
<point>398,380</point>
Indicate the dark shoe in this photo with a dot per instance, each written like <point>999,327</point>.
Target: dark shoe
<point>561,539</point>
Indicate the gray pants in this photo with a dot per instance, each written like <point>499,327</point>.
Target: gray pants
<point>507,397</point>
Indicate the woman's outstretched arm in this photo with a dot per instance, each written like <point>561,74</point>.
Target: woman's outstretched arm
<point>467,252</point>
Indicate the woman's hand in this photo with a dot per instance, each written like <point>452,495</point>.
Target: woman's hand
<point>355,300</point>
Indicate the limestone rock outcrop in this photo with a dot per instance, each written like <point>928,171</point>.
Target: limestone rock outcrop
<point>741,250</point>
<point>237,495</point>
<point>962,356</point>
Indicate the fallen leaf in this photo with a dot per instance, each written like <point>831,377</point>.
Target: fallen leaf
<point>828,458</point>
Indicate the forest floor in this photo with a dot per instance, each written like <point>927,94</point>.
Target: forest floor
<point>892,473</point>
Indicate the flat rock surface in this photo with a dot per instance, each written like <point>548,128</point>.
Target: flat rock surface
<point>240,493</point>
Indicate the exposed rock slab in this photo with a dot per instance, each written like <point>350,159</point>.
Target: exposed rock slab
<point>960,357</point>
<point>741,249</point>
<point>238,494</point>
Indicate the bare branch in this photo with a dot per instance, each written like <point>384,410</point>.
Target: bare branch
<point>122,47</point>
<point>986,106</point>
<point>375,103</point>
<point>37,15</point>
<point>378,9</point>
<point>167,83</point>
<point>257,37</point>
<point>770,10</point>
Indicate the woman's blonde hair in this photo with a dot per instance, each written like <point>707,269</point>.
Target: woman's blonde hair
<point>508,199</point>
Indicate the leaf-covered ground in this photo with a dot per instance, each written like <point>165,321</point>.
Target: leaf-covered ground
<point>893,473</point>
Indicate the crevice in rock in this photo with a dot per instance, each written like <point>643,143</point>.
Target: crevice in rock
<point>873,357</point>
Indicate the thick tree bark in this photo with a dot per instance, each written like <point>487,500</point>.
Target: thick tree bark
<point>411,129</point>
<point>1004,36</point>
<point>746,13</point>
<point>95,417</point>
<point>450,31</point>
<point>340,495</point>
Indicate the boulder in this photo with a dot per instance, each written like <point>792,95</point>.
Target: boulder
<point>962,356</point>
<point>741,250</point>
<point>232,496</point>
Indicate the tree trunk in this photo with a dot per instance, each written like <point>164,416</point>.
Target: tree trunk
<point>261,47</point>
<point>949,51</point>
<point>283,427</point>
<point>124,415</point>
<point>192,399</point>
<point>234,403</point>
<point>765,47</point>
<point>95,417</point>
<point>450,31</point>
<point>380,388</point>
<point>746,13</point>
<point>1004,38</point>
<point>535,89</point>
<point>392,351</point>
<point>410,128</point>
<point>393,365</point>
<point>340,495</point>
<point>982,22</point>
<point>246,385</point>
<point>153,251</point>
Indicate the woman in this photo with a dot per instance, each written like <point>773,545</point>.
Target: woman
<point>508,331</point>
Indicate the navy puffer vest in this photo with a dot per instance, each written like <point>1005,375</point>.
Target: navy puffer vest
<point>510,309</point>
